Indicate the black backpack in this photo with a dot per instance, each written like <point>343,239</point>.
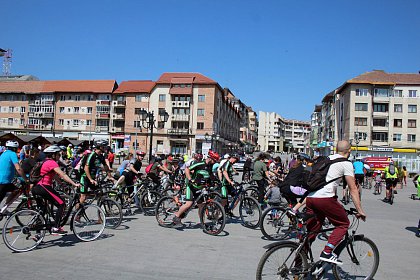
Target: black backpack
<point>316,178</point>
<point>35,174</point>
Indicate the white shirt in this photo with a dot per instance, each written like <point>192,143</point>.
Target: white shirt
<point>338,169</point>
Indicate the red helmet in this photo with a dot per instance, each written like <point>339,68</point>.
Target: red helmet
<point>214,156</point>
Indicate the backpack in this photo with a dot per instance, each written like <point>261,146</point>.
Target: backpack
<point>35,174</point>
<point>149,167</point>
<point>316,178</point>
<point>391,169</point>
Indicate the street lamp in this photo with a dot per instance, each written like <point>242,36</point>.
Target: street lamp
<point>211,138</point>
<point>147,120</point>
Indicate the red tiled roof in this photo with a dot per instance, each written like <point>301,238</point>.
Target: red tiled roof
<point>100,86</point>
<point>135,86</point>
<point>180,78</point>
<point>381,77</point>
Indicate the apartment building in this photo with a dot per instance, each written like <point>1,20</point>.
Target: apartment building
<point>296,135</point>
<point>377,112</point>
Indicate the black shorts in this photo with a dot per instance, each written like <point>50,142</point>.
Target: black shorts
<point>391,182</point>
<point>5,188</point>
<point>359,178</point>
<point>128,177</point>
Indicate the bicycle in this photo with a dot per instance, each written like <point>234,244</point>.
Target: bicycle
<point>212,214</point>
<point>249,208</point>
<point>294,260</point>
<point>378,188</point>
<point>111,208</point>
<point>23,191</point>
<point>25,230</point>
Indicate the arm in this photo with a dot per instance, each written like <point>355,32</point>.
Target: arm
<point>188,173</point>
<point>163,168</point>
<point>88,173</point>
<point>226,175</point>
<point>133,169</point>
<point>354,192</point>
<point>65,177</point>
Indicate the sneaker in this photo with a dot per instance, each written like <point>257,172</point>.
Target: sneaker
<point>385,200</point>
<point>418,234</point>
<point>176,220</point>
<point>331,258</point>
<point>395,192</point>
<point>58,231</point>
<point>36,237</point>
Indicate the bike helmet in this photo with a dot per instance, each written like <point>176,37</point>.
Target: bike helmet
<point>12,144</point>
<point>52,149</point>
<point>140,153</point>
<point>303,156</point>
<point>198,156</point>
<point>214,156</point>
<point>226,156</point>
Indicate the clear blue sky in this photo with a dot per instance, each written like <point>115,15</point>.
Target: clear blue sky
<point>276,56</point>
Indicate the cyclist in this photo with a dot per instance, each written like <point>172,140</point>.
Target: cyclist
<point>132,168</point>
<point>156,168</point>
<point>226,157</point>
<point>260,175</point>
<point>227,181</point>
<point>195,174</point>
<point>44,188</point>
<point>391,179</point>
<point>359,172</point>
<point>8,164</point>
<point>323,203</point>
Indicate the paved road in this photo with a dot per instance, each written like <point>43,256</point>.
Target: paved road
<point>141,249</point>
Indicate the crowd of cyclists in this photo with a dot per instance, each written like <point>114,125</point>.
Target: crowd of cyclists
<point>274,180</point>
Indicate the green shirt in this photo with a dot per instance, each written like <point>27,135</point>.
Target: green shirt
<point>259,170</point>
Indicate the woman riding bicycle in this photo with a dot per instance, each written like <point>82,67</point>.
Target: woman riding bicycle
<point>44,187</point>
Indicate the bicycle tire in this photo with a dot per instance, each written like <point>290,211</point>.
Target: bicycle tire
<point>273,264</point>
<point>26,236</point>
<point>26,204</point>
<point>113,213</point>
<point>148,201</point>
<point>88,222</point>
<point>212,217</point>
<point>366,252</point>
<point>252,192</point>
<point>279,227</point>
<point>165,211</point>
<point>250,212</point>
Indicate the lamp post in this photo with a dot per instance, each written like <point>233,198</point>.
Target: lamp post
<point>211,138</point>
<point>147,120</point>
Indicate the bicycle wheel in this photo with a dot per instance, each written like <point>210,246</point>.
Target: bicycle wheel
<point>212,218</point>
<point>276,224</point>
<point>88,222</point>
<point>113,213</point>
<point>26,203</point>
<point>252,192</point>
<point>26,234</point>
<point>250,212</point>
<point>148,201</point>
<point>282,262</point>
<point>362,264</point>
<point>165,211</point>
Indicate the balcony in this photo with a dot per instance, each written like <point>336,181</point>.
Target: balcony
<point>380,114</point>
<point>381,99</point>
<point>41,115</point>
<point>180,118</point>
<point>176,131</point>
<point>103,102</point>
<point>102,116</point>
<point>118,116</point>
<point>117,103</point>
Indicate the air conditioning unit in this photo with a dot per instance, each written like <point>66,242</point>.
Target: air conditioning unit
<point>97,129</point>
<point>113,129</point>
<point>98,115</point>
<point>114,116</point>
<point>114,103</point>
<point>37,102</point>
<point>98,102</point>
<point>42,126</point>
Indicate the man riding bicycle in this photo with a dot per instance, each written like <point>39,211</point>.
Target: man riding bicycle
<point>8,164</point>
<point>227,180</point>
<point>195,175</point>
<point>391,179</point>
<point>323,203</point>
<point>359,172</point>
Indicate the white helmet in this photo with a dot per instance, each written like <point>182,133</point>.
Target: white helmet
<point>12,144</point>
<point>226,156</point>
<point>52,149</point>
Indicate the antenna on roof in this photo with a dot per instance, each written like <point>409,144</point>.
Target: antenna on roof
<point>7,61</point>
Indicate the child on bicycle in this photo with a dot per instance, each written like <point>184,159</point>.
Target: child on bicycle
<point>273,195</point>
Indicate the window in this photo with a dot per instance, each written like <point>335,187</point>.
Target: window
<point>68,110</point>
<point>379,122</point>
<point>61,122</point>
<point>411,124</point>
<point>362,92</point>
<point>200,112</point>
<point>161,125</point>
<point>75,122</point>
<point>396,137</point>
<point>397,122</point>
<point>201,98</point>
<point>102,109</point>
<point>76,110</point>
<point>412,108</point>
<point>380,136</point>
<point>141,98</point>
<point>10,121</point>
<point>88,122</point>
<point>22,109</point>
<point>22,121</point>
<point>11,109</point>
<point>89,110</point>
<point>103,123</point>
<point>398,108</point>
<point>62,98</point>
<point>137,124</point>
<point>68,122</point>
<point>380,107</point>
<point>90,98</point>
<point>137,111</point>
<point>412,93</point>
<point>181,98</point>
<point>397,93</point>
<point>200,125</point>
<point>77,97</point>
<point>360,121</point>
<point>162,98</point>
<point>411,137</point>
<point>381,92</point>
<point>61,109</point>
<point>361,107</point>
<point>181,111</point>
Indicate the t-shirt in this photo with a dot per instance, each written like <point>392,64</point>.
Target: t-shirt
<point>111,157</point>
<point>47,170</point>
<point>259,170</point>
<point>274,195</point>
<point>155,168</point>
<point>123,166</point>
<point>94,162</point>
<point>8,159</point>
<point>358,167</point>
<point>135,163</point>
<point>337,170</point>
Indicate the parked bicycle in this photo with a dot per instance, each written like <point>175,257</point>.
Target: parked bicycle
<point>294,260</point>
